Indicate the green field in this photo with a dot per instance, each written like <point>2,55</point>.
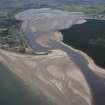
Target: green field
<point>82,8</point>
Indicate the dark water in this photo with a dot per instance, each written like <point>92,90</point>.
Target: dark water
<point>80,36</point>
<point>14,92</point>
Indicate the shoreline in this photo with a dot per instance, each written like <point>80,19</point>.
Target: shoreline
<point>92,65</point>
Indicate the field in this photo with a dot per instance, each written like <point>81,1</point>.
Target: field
<point>83,8</point>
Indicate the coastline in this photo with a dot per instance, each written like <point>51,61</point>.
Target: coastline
<point>91,64</point>
<point>49,78</point>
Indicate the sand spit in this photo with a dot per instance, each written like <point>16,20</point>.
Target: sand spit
<point>55,75</point>
<point>91,64</point>
<point>61,76</point>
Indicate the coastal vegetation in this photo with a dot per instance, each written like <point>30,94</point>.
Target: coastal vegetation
<point>9,35</point>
